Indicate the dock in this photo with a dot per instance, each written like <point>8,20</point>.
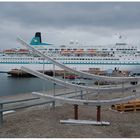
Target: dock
<point>41,122</point>
<point>20,73</point>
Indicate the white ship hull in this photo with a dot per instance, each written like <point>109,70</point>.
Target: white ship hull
<point>135,68</point>
<point>120,55</point>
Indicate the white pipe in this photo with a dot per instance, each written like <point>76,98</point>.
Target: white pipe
<point>86,102</point>
<point>75,86</point>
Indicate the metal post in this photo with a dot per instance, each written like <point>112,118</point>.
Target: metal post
<point>65,81</point>
<point>123,84</point>
<point>98,86</point>
<point>98,113</point>
<point>81,94</point>
<point>53,103</point>
<point>76,112</point>
<point>43,88</point>
<point>1,115</point>
<point>54,77</point>
<point>43,66</point>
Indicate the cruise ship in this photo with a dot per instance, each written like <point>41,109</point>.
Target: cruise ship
<point>119,55</point>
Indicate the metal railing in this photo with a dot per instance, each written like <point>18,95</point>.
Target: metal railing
<point>7,102</point>
<point>4,109</point>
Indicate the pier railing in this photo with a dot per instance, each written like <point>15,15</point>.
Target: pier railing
<point>4,109</point>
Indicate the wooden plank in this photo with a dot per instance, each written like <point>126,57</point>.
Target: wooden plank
<point>127,107</point>
<point>7,112</point>
<point>135,101</point>
<point>84,122</point>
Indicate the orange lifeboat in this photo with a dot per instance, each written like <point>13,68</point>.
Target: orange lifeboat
<point>23,51</point>
<point>91,51</point>
<point>66,52</point>
<point>79,51</point>
<point>9,51</point>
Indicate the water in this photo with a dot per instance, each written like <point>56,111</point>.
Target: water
<point>12,86</point>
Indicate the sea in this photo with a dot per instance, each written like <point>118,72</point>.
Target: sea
<point>19,85</point>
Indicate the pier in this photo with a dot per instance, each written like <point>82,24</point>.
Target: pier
<point>20,73</point>
<point>41,121</point>
<point>91,99</point>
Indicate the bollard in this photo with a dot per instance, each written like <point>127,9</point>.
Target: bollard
<point>98,113</point>
<point>76,112</point>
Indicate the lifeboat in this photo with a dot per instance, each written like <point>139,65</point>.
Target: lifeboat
<point>66,52</point>
<point>23,51</point>
<point>91,51</point>
<point>79,51</point>
<point>9,51</point>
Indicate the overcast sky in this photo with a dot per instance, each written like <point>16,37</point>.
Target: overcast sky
<point>60,22</point>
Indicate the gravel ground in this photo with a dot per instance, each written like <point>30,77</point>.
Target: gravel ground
<point>40,121</point>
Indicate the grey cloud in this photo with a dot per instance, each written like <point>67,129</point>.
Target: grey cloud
<point>65,14</point>
<point>60,22</point>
